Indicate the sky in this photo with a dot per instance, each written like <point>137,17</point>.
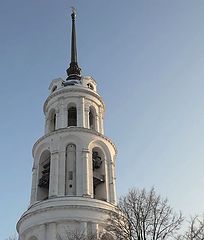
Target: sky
<point>147,57</point>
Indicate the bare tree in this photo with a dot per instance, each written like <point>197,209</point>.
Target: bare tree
<point>144,215</point>
<point>12,237</point>
<point>77,234</point>
<point>195,229</point>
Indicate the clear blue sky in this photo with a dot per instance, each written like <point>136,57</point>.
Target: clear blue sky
<point>148,59</point>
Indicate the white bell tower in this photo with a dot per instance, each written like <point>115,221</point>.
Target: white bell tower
<point>73,175</point>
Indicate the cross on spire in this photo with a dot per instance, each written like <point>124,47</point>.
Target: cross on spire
<point>74,71</point>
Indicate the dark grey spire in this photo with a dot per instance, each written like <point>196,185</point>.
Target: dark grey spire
<point>74,71</point>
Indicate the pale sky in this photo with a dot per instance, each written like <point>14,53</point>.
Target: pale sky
<point>147,57</point>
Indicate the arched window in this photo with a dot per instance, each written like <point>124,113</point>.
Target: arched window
<point>44,176</point>
<point>92,119</point>
<point>72,116</point>
<point>98,166</point>
<point>52,126</point>
<point>70,170</point>
<point>33,238</point>
<point>89,85</point>
<point>54,88</point>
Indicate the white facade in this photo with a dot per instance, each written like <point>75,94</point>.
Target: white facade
<point>73,181</point>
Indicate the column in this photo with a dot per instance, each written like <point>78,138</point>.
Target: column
<point>46,125</point>
<point>53,189</point>
<point>112,182</point>
<point>97,124</point>
<point>83,228</point>
<point>61,114</point>
<point>33,197</point>
<point>42,232</point>
<point>51,231</point>
<point>86,117</point>
<point>81,120</point>
<point>65,117</point>
<point>86,173</point>
<point>57,119</point>
<point>61,173</point>
<point>107,192</point>
<point>101,112</point>
<point>95,230</point>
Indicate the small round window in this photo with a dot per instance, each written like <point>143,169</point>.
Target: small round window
<point>89,85</point>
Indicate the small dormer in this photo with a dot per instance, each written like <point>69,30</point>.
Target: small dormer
<point>89,82</point>
<point>55,85</point>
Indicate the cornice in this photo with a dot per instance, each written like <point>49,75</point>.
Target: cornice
<point>73,129</point>
<point>30,213</point>
<point>72,89</point>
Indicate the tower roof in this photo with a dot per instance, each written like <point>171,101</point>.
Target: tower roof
<point>74,71</point>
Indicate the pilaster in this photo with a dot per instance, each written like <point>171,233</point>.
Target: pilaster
<point>61,172</point>
<point>53,189</point>
<point>107,181</point>
<point>86,173</point>
<point>61,123</point>
<point>81,116</point>
<point>34,186</point>
<point>86,117</point>
<point>97,124</point>
<point>112,182</point>
<point>51,231</point>
<point>58,118</point>
<point>42,232</point>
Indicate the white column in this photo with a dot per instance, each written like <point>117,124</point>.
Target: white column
<point>81,116</point>
<point>107,181</point>
<point>84,228</point>
<point>101,113</point>
<point>86,117</point>
<point>33,196</point>
<point>112,182</point>
<point>57,119</point>
<point>65,117</point>
<point>42,232</point>
<point>46,125</point>
<point>61,172</point>
<point>86,173</point>
<point>51,231</point>
<point>95,230</point>
<point>61,114</point>
<point>53,188</point>
<point>97,128</point>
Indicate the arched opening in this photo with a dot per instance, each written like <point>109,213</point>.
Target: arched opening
<point>98,166</point>
<point>54,88</point>
<point>70,170</point>
<point>44,176</point>
<point>33,238</point>
<point>92,118</point>
<point>52,117</point>
<point>90,86</point>
<point>72,116</point>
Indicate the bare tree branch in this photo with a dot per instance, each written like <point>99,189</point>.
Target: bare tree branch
<point>144,215</point>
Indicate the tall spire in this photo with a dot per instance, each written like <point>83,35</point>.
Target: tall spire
<point>74,71</point>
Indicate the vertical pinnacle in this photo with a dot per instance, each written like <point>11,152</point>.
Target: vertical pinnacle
<point>74,71</point>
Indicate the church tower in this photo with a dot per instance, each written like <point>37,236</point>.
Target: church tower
<point>73,175</point>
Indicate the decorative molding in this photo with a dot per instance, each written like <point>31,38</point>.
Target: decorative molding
<point>28,214</point>
<point>72,89</point>
<point>85,150</point>
<point>73,129</point>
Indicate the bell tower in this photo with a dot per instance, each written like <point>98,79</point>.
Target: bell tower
<point>73,175</point>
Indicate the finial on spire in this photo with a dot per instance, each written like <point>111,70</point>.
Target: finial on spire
<point>73,11</point>
<point>74,71</point>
